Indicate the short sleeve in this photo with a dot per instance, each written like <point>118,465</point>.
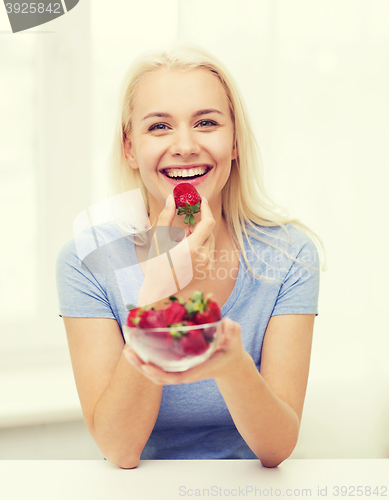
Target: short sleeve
<point>299,292</point>
<point>81,292</point>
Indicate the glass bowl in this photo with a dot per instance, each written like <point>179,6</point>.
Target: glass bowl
<point>171,353</point>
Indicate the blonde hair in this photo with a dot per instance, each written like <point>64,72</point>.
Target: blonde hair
<point>245,203</point>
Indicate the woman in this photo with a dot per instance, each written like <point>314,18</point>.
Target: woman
<point>181,110</point>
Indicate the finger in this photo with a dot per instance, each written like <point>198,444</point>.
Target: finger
<point>132,357</point>
<point>228,326</point>
<point>135,361</point>
<point>159,376</point>
<point>230,329</point>
<point>205,208</point>
<point>207,369</point>
<point>203,228</point>
<point>162,241</point>
<point>146,369</point>
<point>168,213</point>
<point>151,369</point>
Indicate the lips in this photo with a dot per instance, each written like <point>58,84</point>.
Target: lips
<point>195,166</point>
<point>194,181</point>
<point>185,172</point>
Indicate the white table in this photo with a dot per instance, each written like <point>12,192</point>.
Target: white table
<point>177,479</point>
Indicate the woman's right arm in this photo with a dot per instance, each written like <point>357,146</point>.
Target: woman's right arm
<point>120,405</point>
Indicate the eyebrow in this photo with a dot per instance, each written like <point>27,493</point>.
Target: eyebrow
<point>202,112</point>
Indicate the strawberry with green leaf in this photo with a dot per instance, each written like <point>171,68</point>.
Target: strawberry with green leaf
<point>174,313</point>
<point>188,201</point>
<point>173,340</point>
<point>203,309</point>
<point>133,317</point>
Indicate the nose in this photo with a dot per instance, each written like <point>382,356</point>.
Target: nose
<point>184,144</point>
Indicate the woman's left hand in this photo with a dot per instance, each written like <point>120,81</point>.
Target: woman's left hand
<point>224,362</point>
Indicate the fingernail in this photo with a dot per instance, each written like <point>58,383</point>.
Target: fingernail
<point>205,199</point>
<point>169,200</point>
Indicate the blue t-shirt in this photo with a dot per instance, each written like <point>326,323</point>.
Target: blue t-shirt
<point>98,274</point>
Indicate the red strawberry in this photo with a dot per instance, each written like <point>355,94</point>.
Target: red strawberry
<point>151,319</point>
<point>177,331</point>
<point>203,310</point>
<point>159,313</point>
<point>193,342</point>
<point>209,333</point>
<point>174,313</point>
<point>203,317</point>
<point>187,200</point>
<point>133,317</point>
<point>213,308</point>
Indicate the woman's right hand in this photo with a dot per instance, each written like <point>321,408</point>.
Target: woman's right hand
<point>201,241</point>
<point>192,258</point>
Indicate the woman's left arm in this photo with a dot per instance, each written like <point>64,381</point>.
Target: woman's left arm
<point>266,407</point>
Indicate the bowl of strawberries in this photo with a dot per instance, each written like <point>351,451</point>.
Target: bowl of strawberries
<point>179,336</point>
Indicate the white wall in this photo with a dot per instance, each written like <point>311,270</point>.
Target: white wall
<point>315,78</point>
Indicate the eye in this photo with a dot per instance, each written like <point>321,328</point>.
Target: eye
<point>207,123</point>
<point>157,126</point>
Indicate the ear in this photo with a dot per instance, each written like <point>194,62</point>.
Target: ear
<point>234,153</point>
<point>129,154</point>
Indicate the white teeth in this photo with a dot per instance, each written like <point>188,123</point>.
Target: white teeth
<point>185,173</point>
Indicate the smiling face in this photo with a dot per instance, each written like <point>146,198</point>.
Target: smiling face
<point>181,125</point>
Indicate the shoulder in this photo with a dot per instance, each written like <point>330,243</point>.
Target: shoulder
<point>286,238</point>
<point>88,246</point>
<point>67,253</point>
<point>275,250</point>
<point>97,249</point>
